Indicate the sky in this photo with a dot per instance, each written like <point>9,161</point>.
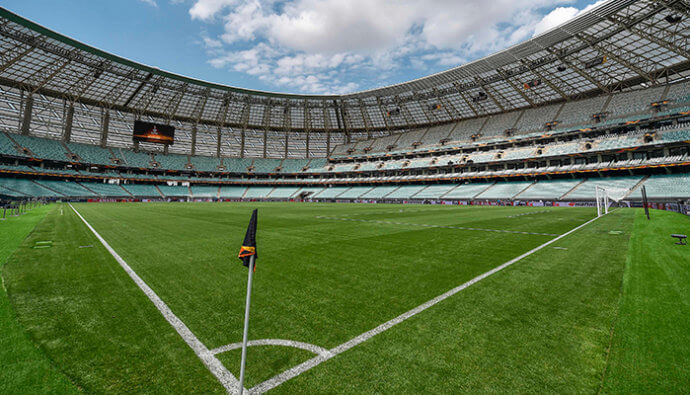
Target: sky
<point>301,46</point>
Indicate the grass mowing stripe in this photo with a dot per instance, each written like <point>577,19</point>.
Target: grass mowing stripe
<point>212,363</point>
<point>299,369</point>
<point>25,368</point>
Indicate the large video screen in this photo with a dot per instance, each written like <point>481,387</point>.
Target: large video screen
<point>153,133</point>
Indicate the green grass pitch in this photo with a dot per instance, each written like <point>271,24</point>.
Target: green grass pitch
<point>597,311</point>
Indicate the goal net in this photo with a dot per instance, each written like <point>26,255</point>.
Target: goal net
<point>606,196</point>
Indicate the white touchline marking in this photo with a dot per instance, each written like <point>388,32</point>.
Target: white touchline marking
<point>435,226</point>
<point>274,342</point>
<point>304,366</point>
<point>226,378</point>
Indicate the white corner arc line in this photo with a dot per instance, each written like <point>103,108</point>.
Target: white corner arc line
<point>304,366</point>
<point>274,342</point>
<point>227,379</point>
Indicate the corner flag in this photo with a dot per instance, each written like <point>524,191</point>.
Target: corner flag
<point>248,256</point>
<point>249,245</point>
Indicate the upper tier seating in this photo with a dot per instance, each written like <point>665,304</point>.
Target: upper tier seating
<point>134,159</point>
<point>42,148</point>
<point>406,192</point>
<point>535,118</point>
<point>633,102</point>
<point>579,112</point>
<point>293,165</point>
<point>266,165</point>
<point>91,153</point>
<point>172,161</point>
<point>237,165</point>
<point>7,147</point>
<point>205,163</point>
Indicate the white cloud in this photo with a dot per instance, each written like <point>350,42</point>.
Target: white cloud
<point>323,46</point>
<point>561,15</point>
<point>152,3</point>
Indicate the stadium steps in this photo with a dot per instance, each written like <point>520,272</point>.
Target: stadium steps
<point>664,94</point>
<point>19,193</point>
<point>420,191</point>
<point>572,189</point>
<point>487,188</point>
<point>449,191</point>
<point>48,188</point>
<point>634,188</point>
<point>159,191</point>
<point>21,150</point>
<point>69,151</point>
<point>127,193</point>
<point>524,190</point>
<point>268,195</point>
<point>88,189</point>
<point>245,190</point>
<point>393,191</point>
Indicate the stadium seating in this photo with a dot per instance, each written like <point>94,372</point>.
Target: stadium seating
<point>135,159</point>
<point>330,193</point>
<point>504,190</point>
<point>548,189</point>
<point>142,190</point>
<point>355,192</point>
<point>467,191</point>
<point>258,192</point>
<point>435,191</point>
<point>266,165</point>
<point>580,112</point>
<point>586,190</point>
<point>308,192</point>
<point>205,163</point>
<point>42,148</point>
<point>379,192</point>
<point>91,153</point>
<point>174,190</point>
<point>201,191</point>
<point>283,192</point>
<point>66,188</point>
<point>668,186</point>
<point>105,190</point>
<point>232,192</point>
<point>406,192</point>
<point>237,165</point>
<point>633,102</point>
<point>535,118</point>
<point>294,165</point>
<point>172,161</point>
<point>7,147</point>
<point>28,188</point>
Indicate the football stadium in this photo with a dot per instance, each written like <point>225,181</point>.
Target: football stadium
<point>515,224</point>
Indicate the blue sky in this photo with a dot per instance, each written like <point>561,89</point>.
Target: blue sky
<point>301,46</point>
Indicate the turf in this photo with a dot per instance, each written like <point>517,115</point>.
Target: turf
<point>327,273</point>
<point>25,369</point>
<point>651,343</point>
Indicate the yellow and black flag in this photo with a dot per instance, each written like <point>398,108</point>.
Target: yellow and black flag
<point>249,245</point>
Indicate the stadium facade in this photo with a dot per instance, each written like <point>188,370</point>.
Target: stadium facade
<point>601,100</point>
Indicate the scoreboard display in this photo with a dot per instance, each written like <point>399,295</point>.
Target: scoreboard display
<point>153,133</point>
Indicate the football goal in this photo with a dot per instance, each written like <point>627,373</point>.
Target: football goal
<point>607,196</point>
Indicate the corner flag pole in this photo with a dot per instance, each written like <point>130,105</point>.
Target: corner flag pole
<point>246,322</point>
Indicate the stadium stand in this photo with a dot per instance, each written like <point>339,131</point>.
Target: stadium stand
<point>405,192</point>
<point>7,147</point>
<point>205,163</point>
<point>42,148</point>
<point>258,192</point>
<point>232,192</point>
<point>105,190</point>
<point>283,192</point>
<point>587,189</point>
<point>142,190</point>
<point>172,161</point>
<point>355,192</point>
<point>379,192</point>
<point>331,193</point>
<point>435,191</point>
<point>203,191</point>
<point>174,190</point>
<point>66,188</point>
<point>467,191</point>
<point>665,187</point>
<point>28,188</point>
<point>504,190</point>
<point>548,189</point>
<point>91,154</point>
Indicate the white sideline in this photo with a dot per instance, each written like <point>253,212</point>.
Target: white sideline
<point>303,367</point>
<point>226,378</point>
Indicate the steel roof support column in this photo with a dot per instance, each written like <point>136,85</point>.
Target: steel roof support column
<point>67,132</point>
<point>105,126</point>
<point>582,74</point>
<point>194,132</point>
<point>615,57</point>
<point>28,110</point>
<point>307,127</point>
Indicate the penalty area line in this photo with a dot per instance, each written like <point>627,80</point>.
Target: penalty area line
<point>307,365</point>
<point>227,379</point>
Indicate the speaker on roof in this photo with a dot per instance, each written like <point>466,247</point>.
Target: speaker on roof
<point>673,19</point>
<point>595,62</point>
<point>561,68</point>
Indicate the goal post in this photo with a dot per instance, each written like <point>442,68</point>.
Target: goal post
<point>605,197</point>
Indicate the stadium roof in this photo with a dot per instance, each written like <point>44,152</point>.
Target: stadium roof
<point>620,44</point>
